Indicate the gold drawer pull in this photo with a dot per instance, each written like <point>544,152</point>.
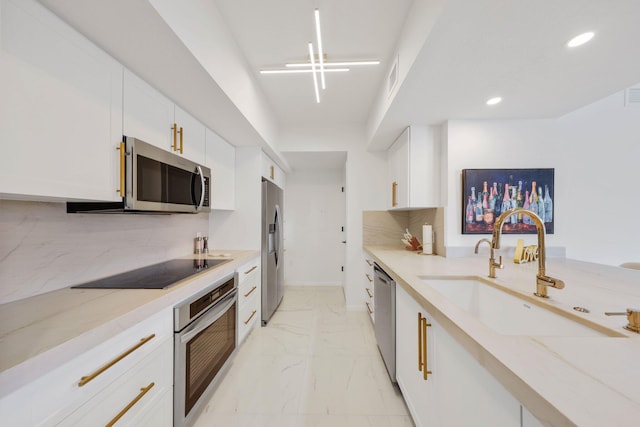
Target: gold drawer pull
<point>143,391</point>
<point>369,262</point>
<point>422,339</point>
<point>251,269</point>
<point>122,149</point>
<point>250,317</point>
<point>369,278</point>
<point>250,292</point>
<point>369,292</point>
<point>84,380</point>
<point>369,308</point>
<point>419,341</point>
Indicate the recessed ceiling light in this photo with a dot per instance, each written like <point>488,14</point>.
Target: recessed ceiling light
<point>494,101</point>
<point>580,39</point>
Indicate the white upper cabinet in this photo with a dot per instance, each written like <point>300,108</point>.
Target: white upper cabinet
<point>221,159</point>
<point>154,118</point>
<point>148,115</point>
<point>191,136</point>
<point>413,167</point>
<point>272,172</point>
<point>60,109</point>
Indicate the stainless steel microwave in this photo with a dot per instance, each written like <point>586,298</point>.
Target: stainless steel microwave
<point>155,181</point>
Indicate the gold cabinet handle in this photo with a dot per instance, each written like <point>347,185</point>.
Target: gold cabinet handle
<point>369,292</point>
<point>250,292</point>
<point>122,149</point>
<point>250,317</point>
<point>181,138</point>
<point>419,341</point>
<point>272,172</point>
<point>394,194</point>
<point>143,391</point>
<point>369,308</point>
<point>174,146</point>
<point>425,368</point>
<point>369,278</point>
<point>251,269</point>
<point>84,380</point>
<point>369,262</point>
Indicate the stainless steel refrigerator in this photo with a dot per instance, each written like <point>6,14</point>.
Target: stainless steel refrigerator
<point>272,250</point>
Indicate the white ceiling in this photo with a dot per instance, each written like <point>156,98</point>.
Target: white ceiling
<point>476,49</point>
<point>272,33</point>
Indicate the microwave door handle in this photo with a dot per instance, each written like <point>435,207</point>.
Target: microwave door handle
<point>202,188</point>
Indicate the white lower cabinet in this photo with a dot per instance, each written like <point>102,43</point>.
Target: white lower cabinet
<point>109,380</point>
<point>458,391</point>
<point>249,298</point>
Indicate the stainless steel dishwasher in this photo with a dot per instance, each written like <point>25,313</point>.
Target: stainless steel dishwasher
<point>385,324</point>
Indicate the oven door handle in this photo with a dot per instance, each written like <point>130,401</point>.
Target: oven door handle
<point>216,312</point>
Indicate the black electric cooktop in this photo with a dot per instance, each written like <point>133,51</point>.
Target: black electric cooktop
<point>156,276</point>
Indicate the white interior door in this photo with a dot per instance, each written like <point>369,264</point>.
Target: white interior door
<point>315,216</point>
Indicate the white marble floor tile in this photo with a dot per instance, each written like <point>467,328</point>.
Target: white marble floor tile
<point>314,364</point>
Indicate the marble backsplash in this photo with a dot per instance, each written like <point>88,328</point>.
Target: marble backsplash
<point>42,248</point>
<point>385,228</point>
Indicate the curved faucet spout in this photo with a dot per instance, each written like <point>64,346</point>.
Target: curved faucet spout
<point>542,280</point>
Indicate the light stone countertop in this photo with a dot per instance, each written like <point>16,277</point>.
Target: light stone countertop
<point>563,381</point>
<point>40,333</point>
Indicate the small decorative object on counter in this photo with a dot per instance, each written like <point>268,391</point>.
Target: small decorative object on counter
<point>410,242</point>
<point>525,254</point>
<point>205,245</point>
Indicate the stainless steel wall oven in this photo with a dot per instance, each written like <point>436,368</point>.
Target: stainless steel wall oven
<point>205,339</point>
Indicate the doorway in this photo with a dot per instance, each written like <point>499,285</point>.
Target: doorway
<point>314,229</point>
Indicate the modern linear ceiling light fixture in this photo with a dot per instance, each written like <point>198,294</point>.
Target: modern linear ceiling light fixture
<point>581,39</point>
<point>317,64</point>
<point>495,100</point>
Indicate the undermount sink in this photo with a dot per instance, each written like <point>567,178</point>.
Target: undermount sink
<point>508,314</point>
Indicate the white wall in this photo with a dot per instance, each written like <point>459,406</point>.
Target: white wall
<point>42,248</point>
<point>314,211</point>
<point>595,152</point>
<point>365,190</point>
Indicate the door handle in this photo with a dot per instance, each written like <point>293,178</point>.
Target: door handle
<point>344,241</point>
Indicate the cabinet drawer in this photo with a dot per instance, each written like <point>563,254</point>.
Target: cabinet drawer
<point>248,315</point>
<point>249,272</point>
<point>129,395</point>
<point>55,395</point>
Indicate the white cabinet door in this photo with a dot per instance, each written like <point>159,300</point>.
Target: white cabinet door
<point>458,391</point>
<point>221,159</point>
<point>399,171</point>
<point>148,115</point>
<point>414,168</point>
<point>272,172</point>
<point>419,393</point>
<point>191,137</point>
<point>60,109</point>
<point>463,383</point>
<point>528,420</point>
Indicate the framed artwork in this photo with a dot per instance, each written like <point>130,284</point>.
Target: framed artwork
<point>487,193</point>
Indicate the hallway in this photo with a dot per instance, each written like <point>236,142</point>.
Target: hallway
<point>315,364</point>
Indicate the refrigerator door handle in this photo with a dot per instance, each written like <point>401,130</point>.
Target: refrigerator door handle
<point>277,236</point>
